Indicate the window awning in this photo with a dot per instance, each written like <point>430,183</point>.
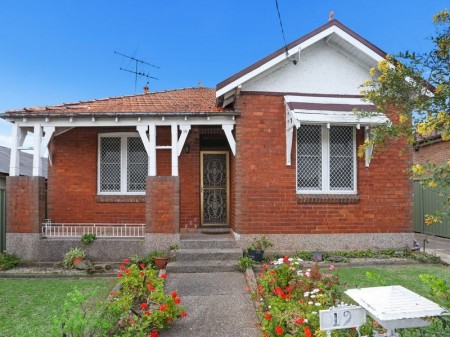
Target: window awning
<point>330,110</point>
<point>326,110</point>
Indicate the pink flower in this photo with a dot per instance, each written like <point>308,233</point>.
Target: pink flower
<point>331,267</point>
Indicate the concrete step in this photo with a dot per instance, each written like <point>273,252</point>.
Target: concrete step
<point>209,254</point>
<point>207,244</point>
<point>209,266</point>
<point>215,230</point>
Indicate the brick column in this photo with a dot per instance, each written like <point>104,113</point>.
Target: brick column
<point>25,208</point>
<point>162,211</point>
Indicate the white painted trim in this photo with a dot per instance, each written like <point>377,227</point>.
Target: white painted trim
<point>325,100</point>
<point>142,129</point>
<point>123,161</point>
<point>269,64</point>
<point>184,133</point>
<point>369,149</point>
<point>174,131</point>
<point>49,131</point>
<point>336,118</point>
<point>18,136</point>
<point>228,129</point>
<point>274,61</point>
<point>325,135</point>
<point>37,162</point>
<point>152,138</point>
<point>108,121</point>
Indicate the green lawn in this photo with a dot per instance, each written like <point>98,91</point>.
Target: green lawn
<point>27,306</point>
<point>406,276</point>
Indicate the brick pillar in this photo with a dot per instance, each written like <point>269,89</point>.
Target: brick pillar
<point>25,208</point>
<point>162,210</point>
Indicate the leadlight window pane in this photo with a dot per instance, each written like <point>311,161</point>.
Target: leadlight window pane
<point>309,157</point>
<point>341,158</point>
<point>137,169</point>
<point>110,164</point>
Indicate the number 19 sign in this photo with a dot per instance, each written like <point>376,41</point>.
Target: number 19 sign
<point>342,317</point>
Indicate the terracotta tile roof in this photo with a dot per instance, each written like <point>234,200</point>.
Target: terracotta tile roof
<point>186,100</point>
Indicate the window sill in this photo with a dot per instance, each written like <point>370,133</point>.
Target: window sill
<point>120,198</point>
<point>327,198</point>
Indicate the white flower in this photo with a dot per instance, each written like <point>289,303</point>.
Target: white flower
<point>270,307</point>
<point>314,312</point>
<point>290,259</point>
<point>306,321</point>
<point>310,302</point>
<point>314,291</point>
<point>299,272</point>
<point>306,294</point>
<point>312,296</point>
<point>317,304</point>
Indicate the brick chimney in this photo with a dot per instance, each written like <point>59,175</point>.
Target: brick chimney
<point>146,89</point>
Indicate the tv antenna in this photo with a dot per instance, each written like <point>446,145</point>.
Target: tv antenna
<point>136,72</point>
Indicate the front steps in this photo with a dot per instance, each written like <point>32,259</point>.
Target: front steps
<point>203,253</point>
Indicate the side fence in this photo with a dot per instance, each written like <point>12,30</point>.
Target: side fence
<point>428,202</point>
<point>2,214</point>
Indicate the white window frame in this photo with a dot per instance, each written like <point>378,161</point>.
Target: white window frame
<point>123,162</point>
<point>325,132</point>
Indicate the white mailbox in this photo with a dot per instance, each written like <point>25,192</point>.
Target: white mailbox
<point>395,307</point>
<point>342,317</point>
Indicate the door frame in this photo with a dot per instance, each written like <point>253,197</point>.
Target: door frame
<point>227,162</point>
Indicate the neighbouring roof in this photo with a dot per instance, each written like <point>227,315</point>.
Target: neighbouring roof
<point>188,101</point>
<point>26,162</point>
<point>333,31</point>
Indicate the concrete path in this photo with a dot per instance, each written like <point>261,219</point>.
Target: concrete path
<point>216,303</point>
<point>436,245</point>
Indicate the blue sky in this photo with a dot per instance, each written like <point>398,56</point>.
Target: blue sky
<point>63,51</point>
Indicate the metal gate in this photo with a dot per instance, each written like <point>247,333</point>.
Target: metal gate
<point>2,214</point>
<point>428,202</point>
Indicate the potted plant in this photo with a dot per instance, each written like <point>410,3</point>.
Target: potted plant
<point>257,248</point>
<point>73,257</point>
<point>160,259</point>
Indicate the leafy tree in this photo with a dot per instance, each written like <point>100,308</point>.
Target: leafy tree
<point>416,86</point>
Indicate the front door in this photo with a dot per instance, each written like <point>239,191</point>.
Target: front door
<point>214,171</point>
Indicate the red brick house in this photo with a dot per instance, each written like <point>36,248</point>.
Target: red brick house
<point>271,151</point>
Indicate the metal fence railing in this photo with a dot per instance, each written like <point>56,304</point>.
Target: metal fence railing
<point>60,230</point>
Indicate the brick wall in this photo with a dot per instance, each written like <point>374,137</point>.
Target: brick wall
<point>25,209</point>
<point>265,195</point>
<point>72,194</point>
<point>163,205</point>
<point>436,152</point>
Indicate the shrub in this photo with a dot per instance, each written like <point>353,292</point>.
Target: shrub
<point>88,238</point>
<point>245,263</point>
<point>140,308</point>
<point>8,261</point>
<point>72,254</point>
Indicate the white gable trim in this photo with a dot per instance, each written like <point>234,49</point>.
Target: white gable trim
<point>314,39</point>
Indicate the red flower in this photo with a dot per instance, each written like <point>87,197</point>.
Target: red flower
<point>120,274</point>
<point>113,294</point>
<point>307,331</point>
<point>268,316</point>
<point>147,313</point>
<point>266,335</point>
<point>144,306</point>
<point>286,259</point>
<point>164,276</point>
<point>142,265</point>
<point>126,260</point>
<point>127,271</point>
<point>151,288</point>
<point>183,314</point>
<point>288,288</point>
<point>279,330</point>
<point>173,294</point>
<point>163,307</point>
<point>154,333</point>
<point>169,319</point>
<point>299,321</point>
<point>141,274</point>
<point>122,267</point>
<point>177,300</point>
<point>264,266</point>
<point>271,272</point>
